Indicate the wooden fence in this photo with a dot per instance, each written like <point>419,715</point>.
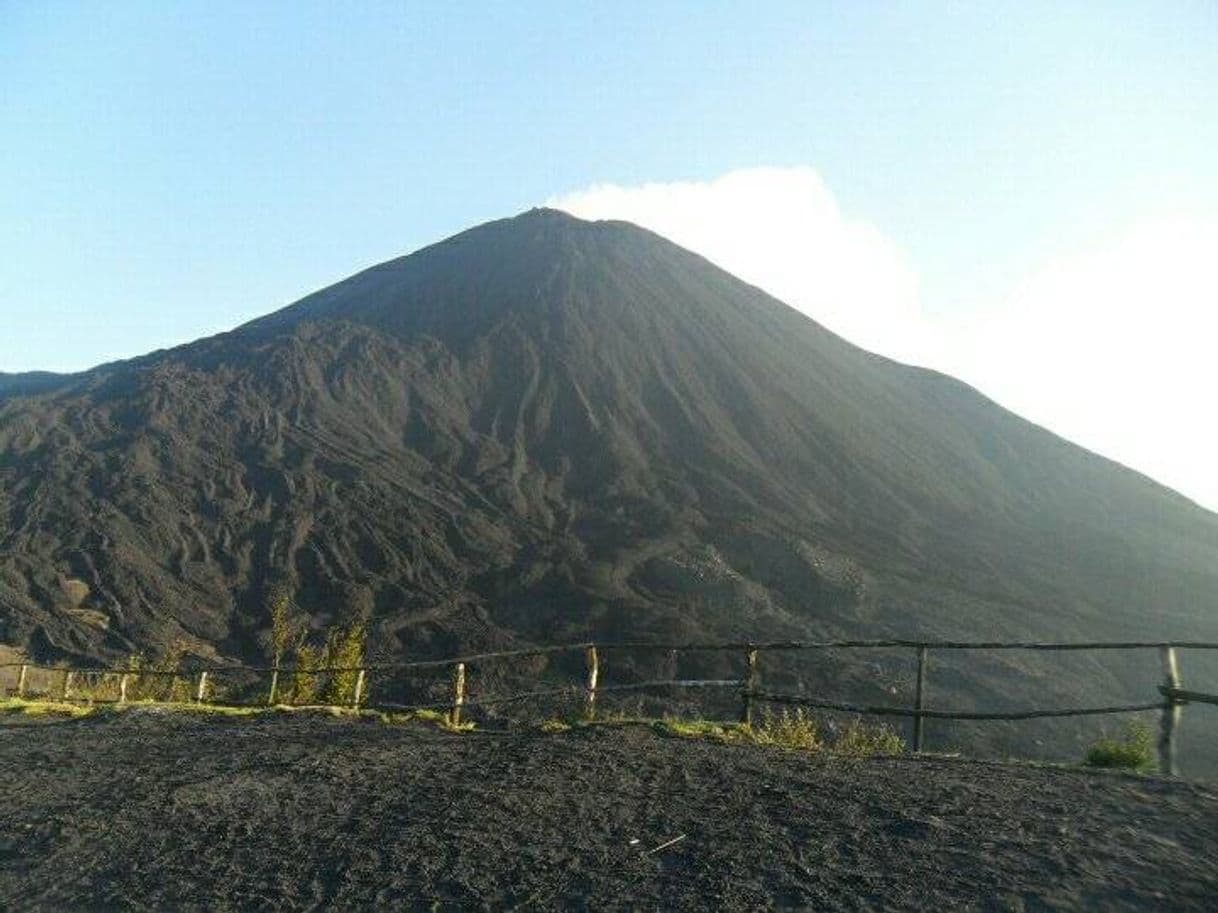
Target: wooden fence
<point>1169,701</point>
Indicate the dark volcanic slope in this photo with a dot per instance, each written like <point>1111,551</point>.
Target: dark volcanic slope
<point>545,428</point>
<point>149,812</point>
<point>29,382</point>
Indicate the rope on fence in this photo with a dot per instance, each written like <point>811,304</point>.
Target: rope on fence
<point>1179,694</point>
<point>900,643</point>
<point>571,691</point>
<point>804,700</point>
<point>1173,695</point>
<point>647,645</point>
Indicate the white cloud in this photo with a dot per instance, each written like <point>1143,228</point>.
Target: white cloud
<point>782,230</point>
<point>1111,346</point>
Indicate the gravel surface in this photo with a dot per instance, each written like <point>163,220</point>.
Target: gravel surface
<point>154,811</point>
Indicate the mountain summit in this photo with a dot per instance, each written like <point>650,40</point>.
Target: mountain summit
<point>545,429</point>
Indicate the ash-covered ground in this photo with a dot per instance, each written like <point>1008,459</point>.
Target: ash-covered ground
<point>160,811</point>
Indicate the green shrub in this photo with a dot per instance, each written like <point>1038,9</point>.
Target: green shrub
<point>94,686</point>
<point>794,729</point>
<point>158,680</point>
<point>343,649</point>
<point>1134,750</point>
<point>863,740</point>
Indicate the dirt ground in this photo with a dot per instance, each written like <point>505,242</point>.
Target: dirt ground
<point>156,811</point>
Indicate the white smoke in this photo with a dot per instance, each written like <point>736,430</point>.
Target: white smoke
<point>1111,346</point>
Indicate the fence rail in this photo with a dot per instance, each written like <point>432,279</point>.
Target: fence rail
<point>686,647</point>
<point>1172,695</point>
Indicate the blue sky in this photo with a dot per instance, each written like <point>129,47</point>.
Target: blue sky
<point>170,170</point>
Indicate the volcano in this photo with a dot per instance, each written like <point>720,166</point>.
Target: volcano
<point>546,429</point>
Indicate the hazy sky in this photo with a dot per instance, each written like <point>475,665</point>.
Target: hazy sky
<point>1022,194</point>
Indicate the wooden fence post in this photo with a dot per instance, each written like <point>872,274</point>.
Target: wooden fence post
<point>122,687</point>
<point>21,681</point>
<point>593,673</point>
<point>201,693</point>
<point>270,698</point>
<point>919,689</point>
<point>750,683</point>
<point>359,690</point>
<point>458,694</point>
<point>1170,719</point>
<point>67,684</point>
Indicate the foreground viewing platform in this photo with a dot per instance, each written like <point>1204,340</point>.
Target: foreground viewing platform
<point>148,809</point>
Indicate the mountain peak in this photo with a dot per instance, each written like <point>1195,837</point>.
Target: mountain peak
<point>544,429</point>
<point>450,289</point>
<point>547,212</point>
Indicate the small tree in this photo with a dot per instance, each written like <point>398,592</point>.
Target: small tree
<point>344,651</point>
<point>285,630</point>
<point>342,648</point>
<point>305,682</point>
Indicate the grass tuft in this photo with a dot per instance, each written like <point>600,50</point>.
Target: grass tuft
<point>1133,750</point>
<point>795,730</point>
<point>861,740</point>
<point>791,730</point>
<point>43,708</point>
